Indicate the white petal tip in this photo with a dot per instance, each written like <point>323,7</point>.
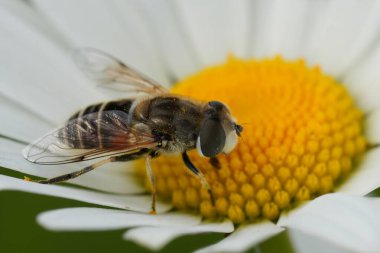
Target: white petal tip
<point>350,222</point>
<point>156,238</point>
<point>244,238</point>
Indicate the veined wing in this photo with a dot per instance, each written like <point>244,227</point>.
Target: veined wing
<point>114,74</point>
<point>91,136</point>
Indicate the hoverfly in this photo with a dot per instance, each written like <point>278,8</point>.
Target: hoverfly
<point>150,123</point>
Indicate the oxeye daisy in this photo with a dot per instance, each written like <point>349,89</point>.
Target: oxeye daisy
<point>301,77</point>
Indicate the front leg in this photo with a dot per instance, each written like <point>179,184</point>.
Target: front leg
<point>199,174</point>
<point>214,161</point>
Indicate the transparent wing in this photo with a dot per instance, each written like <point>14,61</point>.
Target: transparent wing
<point>112,73</point>
<point>91,136</point>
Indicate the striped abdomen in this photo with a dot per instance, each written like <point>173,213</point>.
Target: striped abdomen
<point>84,129</point>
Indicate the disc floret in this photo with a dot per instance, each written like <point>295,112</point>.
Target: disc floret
<point>303,135</point>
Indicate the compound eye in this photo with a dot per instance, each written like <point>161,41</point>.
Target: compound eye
<point>212,138</point>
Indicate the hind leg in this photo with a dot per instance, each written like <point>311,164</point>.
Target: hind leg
<point>65,177</point>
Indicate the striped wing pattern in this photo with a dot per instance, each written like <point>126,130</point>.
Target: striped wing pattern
<point>92,136</point>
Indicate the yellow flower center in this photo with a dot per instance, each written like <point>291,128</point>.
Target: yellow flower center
<point>303,134</point>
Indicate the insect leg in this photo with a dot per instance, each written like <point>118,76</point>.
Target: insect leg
<point>199,174</point>
<point>215,162</point>
<point>74,174</point>
<point>65,177</point>
<point>152,181</point>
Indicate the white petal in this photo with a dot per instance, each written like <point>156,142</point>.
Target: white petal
<point>244,238</point>
<point>112,26</point>
<point>367,176</point>
<point>347,221</point>
<point>215,28</point>
<point>106,219</point>
<point>134,203</point>
<point>155,238</point>
<point>375,202</point>
<point>39,75</point>
<point>305,243</point>
<point>373,126</point>
<point>27,14</point>
<point>363,81</point>
<point>177,50</point>
<point>343,31</point>
<point>367,37</point>
<point>19,123</point>
<point>261,18</point>
<point>117,180</point>
<point>279,27</point>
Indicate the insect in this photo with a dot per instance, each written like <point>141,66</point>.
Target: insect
<point>150,122</point>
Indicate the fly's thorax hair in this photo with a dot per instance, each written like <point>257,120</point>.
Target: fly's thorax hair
<point>172,118</point>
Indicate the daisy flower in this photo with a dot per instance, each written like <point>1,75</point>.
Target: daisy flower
<point>301,76</point>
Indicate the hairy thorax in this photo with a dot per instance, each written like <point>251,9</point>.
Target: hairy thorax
<point>173,120</point>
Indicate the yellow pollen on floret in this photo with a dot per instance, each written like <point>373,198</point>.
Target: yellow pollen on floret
<point>303,136</point>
